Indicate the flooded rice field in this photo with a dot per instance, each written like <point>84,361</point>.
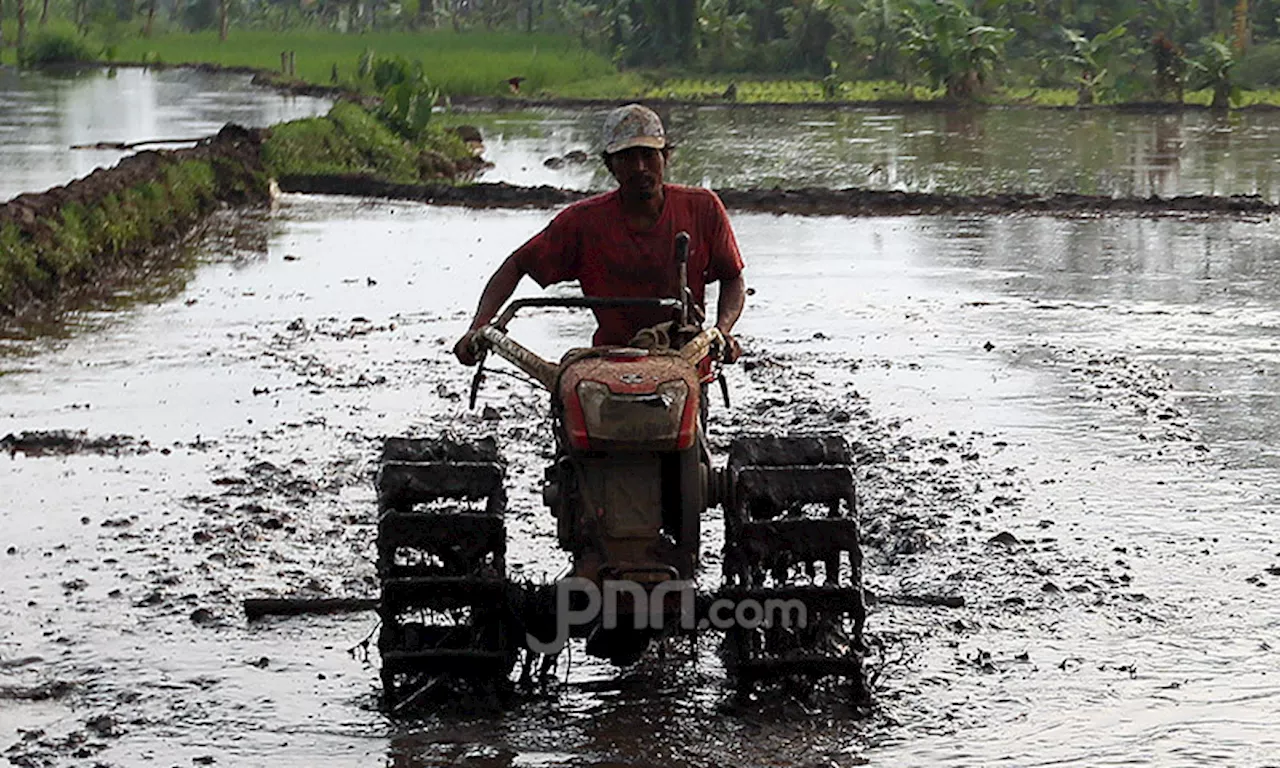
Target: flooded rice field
<point>1063,422</point>
<point>953,151</point>
<point>1067,484</point>
<point>42,115</point>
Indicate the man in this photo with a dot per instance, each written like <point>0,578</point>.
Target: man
<point>622,243</point>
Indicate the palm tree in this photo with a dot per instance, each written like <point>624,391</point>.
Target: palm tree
<point>1240,29</point>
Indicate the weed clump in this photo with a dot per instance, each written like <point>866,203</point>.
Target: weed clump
<point>49,46</point>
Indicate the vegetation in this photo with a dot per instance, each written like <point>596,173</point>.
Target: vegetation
<point>84,236</point>
<point>477,63</point>
<point>57,46</point>
<point>985,50</point>
<point>349,140</point>
<point>1212,70</point>
<point>1093,58</point>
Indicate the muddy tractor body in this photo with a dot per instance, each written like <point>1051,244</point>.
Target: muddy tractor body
<point>629,487</point>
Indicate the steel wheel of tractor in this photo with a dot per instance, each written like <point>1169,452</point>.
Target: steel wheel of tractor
<point>791,534</point>
<point>442,568</point>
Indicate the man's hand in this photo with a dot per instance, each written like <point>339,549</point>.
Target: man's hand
<point>733,296</point>
<point>732,349</point>
<point>465,349</point>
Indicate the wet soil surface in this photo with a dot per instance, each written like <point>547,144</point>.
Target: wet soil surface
<point>1067,518</point>
<point>64,442</point>
<point>810,201</point>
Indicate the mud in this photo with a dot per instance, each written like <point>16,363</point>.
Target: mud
<point>804,202</point>
<point>65,442</point>
<point>1044,583</point>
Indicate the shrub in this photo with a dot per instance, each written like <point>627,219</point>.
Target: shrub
<point>56,47</point>
<point>1259,67</point>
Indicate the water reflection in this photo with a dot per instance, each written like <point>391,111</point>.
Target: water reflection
<point>41,115</point>
<point>961,151</point>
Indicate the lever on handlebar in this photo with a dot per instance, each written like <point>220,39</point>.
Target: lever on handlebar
<point>480,352</point>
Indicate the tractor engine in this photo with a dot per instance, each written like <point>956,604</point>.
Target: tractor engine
<point>629,485</point>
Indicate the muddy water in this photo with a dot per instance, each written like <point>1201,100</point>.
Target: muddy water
<point>962,151</point>
<point>1064,422</point>
<point>42,115</point>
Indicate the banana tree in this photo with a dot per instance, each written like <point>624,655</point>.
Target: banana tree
<point>1212,69</point>
<point>1091,57</point>
<point>874,31</point>
<point>952,46</point>
<point>721,32</point>
<point>811,25</point>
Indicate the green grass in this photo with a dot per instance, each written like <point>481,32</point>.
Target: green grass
<point>1204,97</point>
<point>1040,97</point>
<point>469,63</point>
<point>618,85</point>
<point>349,140</point>
<point>783,91</point>
<point>84,237</point>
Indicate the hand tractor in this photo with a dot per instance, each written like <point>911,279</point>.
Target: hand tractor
<point>629,487</point>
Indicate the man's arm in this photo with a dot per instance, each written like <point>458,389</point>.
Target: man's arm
<point>733,297</point>
<point>496,292</point>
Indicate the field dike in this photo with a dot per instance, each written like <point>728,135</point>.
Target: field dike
<point>103,227</point>
<point>808,201</point>
<point>106,222</point>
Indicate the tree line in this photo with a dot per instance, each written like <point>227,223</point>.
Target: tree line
<point>1108,50</point>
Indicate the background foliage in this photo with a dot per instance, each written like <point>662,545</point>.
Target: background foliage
<point>1103,50</point>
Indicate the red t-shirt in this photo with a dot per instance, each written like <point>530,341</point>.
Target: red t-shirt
<point>590,242</point>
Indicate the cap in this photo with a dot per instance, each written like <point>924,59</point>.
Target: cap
<point>634,125</point>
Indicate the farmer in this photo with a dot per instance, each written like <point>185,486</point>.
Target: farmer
<point>621,243</point>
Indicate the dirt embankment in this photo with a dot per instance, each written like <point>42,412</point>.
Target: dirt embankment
<point>98,225</point>
<point>809,201</point>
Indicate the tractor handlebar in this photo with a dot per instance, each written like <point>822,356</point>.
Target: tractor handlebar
<point>708,342</point>
<point>581,302</point>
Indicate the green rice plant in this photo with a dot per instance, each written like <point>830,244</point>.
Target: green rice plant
<point>1040,97</point>
<point>622,85</point>
<point>471,63</point>
<point>19,262</point>
<point>192,187</point>
<point>73,241</point>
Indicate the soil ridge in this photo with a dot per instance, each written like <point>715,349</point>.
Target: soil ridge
<point>807,201</point>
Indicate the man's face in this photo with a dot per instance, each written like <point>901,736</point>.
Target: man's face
<point>639,171</point>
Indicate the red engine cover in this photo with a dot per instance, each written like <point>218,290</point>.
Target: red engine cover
<point>632,373</point>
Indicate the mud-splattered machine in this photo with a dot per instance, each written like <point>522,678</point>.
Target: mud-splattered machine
<point>629,487</point>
